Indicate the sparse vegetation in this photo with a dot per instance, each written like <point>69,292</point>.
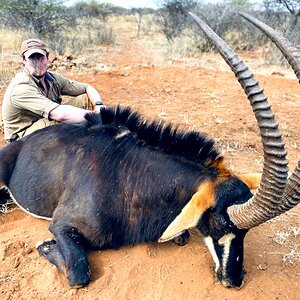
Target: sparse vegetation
<point>173,16</point>
<point>86,23</point>
<point>93,26</point>
<point>42,18</point>
<point>289,240</point>
<point>224,19</point>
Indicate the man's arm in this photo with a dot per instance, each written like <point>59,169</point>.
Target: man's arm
<point>76,88</point>
<point>93,95</point>
<point>72,114</point>
<point>68,114</point>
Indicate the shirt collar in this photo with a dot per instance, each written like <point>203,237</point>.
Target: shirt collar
<point>49,77</point>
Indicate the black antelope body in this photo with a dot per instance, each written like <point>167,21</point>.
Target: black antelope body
<point>123,180</point>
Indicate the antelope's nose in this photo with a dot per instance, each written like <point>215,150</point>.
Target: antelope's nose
<point>230,285</point>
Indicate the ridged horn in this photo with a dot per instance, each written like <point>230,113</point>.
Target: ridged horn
<point>291,195</point>
<point>291,53</point>
<point>261,206</point>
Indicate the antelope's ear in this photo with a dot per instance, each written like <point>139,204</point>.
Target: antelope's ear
<point>189,217</point>
<point>251,180</point>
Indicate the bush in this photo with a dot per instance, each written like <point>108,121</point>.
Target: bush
<point>38,16</point>
<point>173,16</point>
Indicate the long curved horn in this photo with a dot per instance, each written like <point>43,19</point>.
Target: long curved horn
<point>261,206</point>
<point>291,53</point>
<point>291,195</point>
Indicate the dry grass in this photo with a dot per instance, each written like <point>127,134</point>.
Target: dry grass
<point>10,41</point>
<point>289,239</point>
<point>9,54</point>
<point>77,40</point>
<point>91,34</point>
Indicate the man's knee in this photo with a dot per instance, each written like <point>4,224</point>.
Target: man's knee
<point>41,123</point>
<point>81,101</point>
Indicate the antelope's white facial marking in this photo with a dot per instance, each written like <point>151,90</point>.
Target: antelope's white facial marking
<point>210,245</point>
<point>226,240</point>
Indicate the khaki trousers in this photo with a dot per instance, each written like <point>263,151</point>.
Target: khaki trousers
<point>81,101</point>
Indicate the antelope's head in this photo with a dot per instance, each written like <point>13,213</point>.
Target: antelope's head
<point>231,208</point>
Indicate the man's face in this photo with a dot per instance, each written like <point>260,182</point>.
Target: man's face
<point>36,64</point>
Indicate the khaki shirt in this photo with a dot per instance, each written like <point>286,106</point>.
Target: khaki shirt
<point>25,100</point>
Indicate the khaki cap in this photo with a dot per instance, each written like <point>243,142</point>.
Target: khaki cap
<point>31,46</point>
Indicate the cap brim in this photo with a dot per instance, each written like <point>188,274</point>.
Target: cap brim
<point>31,51</point>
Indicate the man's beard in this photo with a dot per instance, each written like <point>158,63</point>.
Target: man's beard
<point>39,70</point>
<point>39,74</point>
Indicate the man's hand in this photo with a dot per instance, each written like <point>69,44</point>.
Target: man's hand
<point>97,108</point>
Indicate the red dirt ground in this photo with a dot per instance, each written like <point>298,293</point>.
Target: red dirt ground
<point>202,98</point>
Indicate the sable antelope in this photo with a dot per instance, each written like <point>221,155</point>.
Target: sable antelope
<point>124,180</point>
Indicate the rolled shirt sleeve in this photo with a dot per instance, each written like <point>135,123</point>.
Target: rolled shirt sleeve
<point>70,87</point>
<point>25,97</point>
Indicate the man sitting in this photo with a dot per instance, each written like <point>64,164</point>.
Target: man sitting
<point>33,99</point>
